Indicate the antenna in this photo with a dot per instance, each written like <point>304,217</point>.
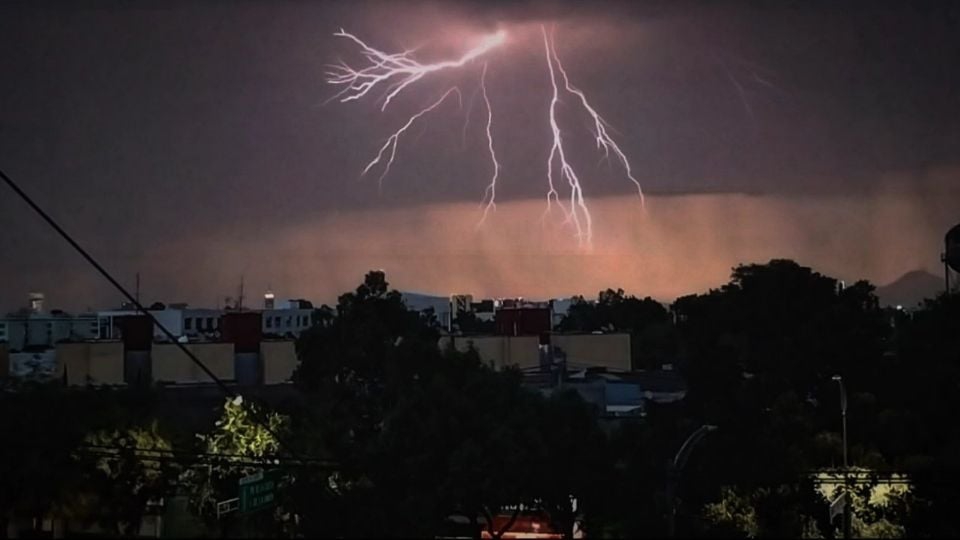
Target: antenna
<point>240,298</point>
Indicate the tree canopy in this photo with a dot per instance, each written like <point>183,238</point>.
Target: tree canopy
<point>389,435</point>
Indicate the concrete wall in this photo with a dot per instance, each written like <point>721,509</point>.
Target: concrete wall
<point>279,361</point>
<point>91,363</point>
<point>170,364</point>
<point>606,350</point>
<point>520,351</point>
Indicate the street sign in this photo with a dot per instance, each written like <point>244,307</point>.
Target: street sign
<point>257,491</point>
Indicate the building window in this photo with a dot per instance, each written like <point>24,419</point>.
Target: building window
<point>289,322</point>
<point>276,322</point>
<point>209,323</point>
<point>269,321</point>
<point>188,323</point>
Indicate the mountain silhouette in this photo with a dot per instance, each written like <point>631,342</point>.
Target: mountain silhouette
<point>910,289</point>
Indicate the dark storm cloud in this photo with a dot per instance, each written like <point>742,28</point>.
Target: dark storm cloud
<point>495,11</point>
<point>148,124</point>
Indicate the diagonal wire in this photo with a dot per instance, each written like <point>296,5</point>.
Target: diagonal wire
<point>93,262</point>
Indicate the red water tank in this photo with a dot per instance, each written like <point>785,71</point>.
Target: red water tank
<point>137,332</point>
<point>522,321</point>
<point>244,330</point>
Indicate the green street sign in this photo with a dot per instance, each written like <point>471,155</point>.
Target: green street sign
<point>257,491</point>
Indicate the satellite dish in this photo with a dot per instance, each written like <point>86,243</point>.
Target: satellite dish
<point>951,254</point>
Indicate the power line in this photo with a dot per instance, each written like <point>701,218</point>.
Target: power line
<point>147,454</point>
<point>93,262</point>
<point>200,459</point>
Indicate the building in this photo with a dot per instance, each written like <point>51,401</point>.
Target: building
<point>461,303</point>
<point>439,305</point>
<point>285,319</point>
<point>33,328</point>
<point>243,356</point>
<point>559,308</point>
<point>38,330</point>
<point>576,351</point>
<point>616,394</point>
<point>127,348</point>
<point>523,321</point>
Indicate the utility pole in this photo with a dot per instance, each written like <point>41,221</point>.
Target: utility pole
<point>846,464</point>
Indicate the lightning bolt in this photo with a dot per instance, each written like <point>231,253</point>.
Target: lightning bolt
<point>578,209</point>
<point>397,71</point>
<point>392,140</point>
<point>604,140</point>
<point>490,195</point>
<point>383,67</point>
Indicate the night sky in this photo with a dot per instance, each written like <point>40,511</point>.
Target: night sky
<point>191,141</point>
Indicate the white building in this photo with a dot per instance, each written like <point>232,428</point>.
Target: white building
<point>172,319</point>
<point>38,331</point>
<point>33,328</point>
<point>287,318</point>
<point>281,322</point>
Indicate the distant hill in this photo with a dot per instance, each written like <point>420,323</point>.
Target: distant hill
<point>910,289</point>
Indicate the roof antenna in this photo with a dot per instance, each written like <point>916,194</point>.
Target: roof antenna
<point>240,299</point>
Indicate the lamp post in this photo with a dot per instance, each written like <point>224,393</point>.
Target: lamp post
<point>673,473</point>
<point>846,465</point>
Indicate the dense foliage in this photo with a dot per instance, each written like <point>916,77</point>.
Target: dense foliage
<point>392,436</point>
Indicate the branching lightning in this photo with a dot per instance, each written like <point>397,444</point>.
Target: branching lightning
<point>384,67</point>
<point>604,140</point>
<point>577,206</point>
<point>393,139</point>
<point>397,71</point>
<point>490,196</point>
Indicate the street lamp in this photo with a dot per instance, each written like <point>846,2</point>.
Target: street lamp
<point>673,474</point>
<point>846,465</point>
<point>843,415</point>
